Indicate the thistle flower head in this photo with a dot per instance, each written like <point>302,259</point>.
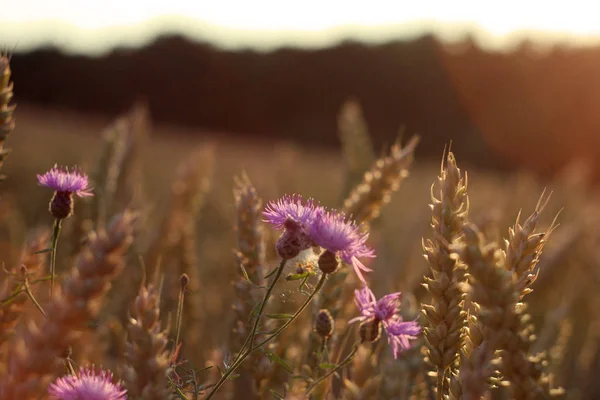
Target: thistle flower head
<point>87,385</point>
<point>62,180</point>
<point>291,208</point>
<point>386,310</point>
<point>291,214</point>
<point>65,183</point>
<point>333,232</point>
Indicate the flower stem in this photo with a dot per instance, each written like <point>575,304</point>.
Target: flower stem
<point>55,235</point>
<point>250,339</point>
<point>289,321</point>
<point>278,273</point>
<point>245,353</point>
<point>334,370</point>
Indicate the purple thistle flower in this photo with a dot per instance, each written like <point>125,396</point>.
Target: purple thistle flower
<point>333,232</point>
<point>386,311</point>
<point>87,385</point>
<point>291,214</point>
<point>290,207</point>
<point>63,180</point>
<point>65,183</point>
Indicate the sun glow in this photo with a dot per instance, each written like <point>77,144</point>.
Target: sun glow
<point>93,25</point>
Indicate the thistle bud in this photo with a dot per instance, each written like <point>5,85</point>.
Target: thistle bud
<point>324,324</point>
<point>291,243</point>
<point>184,279</point>
<point>370,331</point>
<point>61,205</point>
<point>328,262</point>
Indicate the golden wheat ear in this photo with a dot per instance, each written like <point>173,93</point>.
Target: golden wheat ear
<point>146,355</point>
<point>7,121</point>
<point>446,315</point>
<point>36,351</point>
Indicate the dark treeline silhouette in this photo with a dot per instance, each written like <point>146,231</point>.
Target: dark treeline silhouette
<point>496,108</point>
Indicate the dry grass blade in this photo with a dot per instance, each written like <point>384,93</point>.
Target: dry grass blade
<point>11,310</point>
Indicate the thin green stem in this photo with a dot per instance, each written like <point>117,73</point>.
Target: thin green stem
<point>179,318</point>
<point>244,351</point>
<point>33,299</point>
<point>289,321</point>
<point>247,352</point>
<point>250,339</point>
<point>20,289</point>
<point>334,370</point>
<point>264,304</point>
<point>55,235</point>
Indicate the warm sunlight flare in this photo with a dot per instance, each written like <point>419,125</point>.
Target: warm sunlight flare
<point>97,26</point>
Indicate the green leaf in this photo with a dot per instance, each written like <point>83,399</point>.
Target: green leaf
<point>276,395</point>
<point>43,251</point>
<point>254,312</point>
<point>245,273</point>
<point>279,316</point>
<point>274,357</point>
<point>297,277</point>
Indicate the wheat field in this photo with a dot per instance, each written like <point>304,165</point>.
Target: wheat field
<point>174,281</point>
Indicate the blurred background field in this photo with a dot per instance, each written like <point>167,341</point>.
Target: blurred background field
<point>519,120</point>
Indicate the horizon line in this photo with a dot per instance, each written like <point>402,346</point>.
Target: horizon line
<point>71,39</point>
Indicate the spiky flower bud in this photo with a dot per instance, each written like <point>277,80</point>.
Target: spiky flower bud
<point>61,205</point>
<point>324,324</point>
<point>328,262</point>
<point>370,331</point>
<point>184,280</point>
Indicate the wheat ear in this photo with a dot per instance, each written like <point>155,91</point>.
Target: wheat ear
<point>446,316</point>
<point>146,350</point>
<point>34,354</point>
<point>7,121</point>
<point>250,258</point>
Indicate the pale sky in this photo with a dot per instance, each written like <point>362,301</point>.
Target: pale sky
<point>97,26</point>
